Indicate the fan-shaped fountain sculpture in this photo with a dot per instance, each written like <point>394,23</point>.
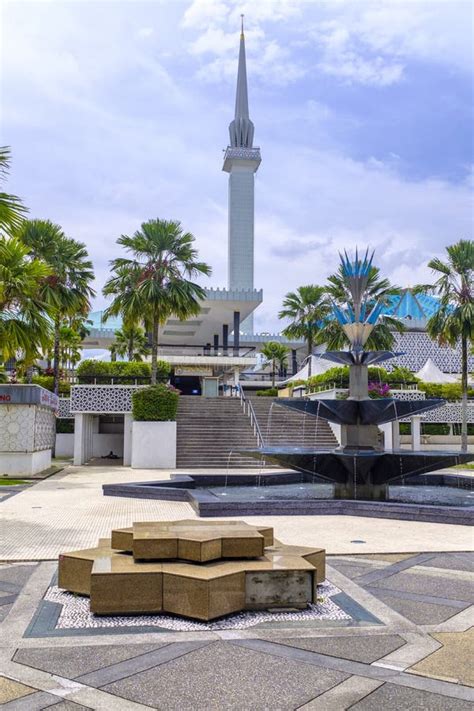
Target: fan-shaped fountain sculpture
<point>360,468</point>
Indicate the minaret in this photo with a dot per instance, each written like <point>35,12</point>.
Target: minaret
<point>241,161</point>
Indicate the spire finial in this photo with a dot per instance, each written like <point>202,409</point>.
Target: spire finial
<point>242,26</point>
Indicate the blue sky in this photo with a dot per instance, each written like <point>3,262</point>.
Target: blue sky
<point>117,112</point>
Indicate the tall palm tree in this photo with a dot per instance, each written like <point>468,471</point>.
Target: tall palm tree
<point>25,328</point>
<point>12,211</point>
<point>131,341</point>
<point>156,282</point>
<point>378,290</point>
<point>276,354</point>
<point>308,308</point>
<point>454,320</point>
<point>67,290</point>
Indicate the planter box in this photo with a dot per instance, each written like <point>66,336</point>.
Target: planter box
<point>154,445</point>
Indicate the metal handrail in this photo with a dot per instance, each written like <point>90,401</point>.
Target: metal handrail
<point>252,417</point>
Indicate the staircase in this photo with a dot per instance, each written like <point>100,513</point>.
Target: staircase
<point>280,425</point>
<point>210,428</point>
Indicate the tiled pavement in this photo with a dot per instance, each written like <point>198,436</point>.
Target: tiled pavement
<point>415,657</point>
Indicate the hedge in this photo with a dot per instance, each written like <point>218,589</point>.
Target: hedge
<point>64,425</point>
<point>47,382</point>
<point>269,392</point>
<point>339,377</point>
<point>155,403</point>
<point>447,391</point>
<point>122,372</point>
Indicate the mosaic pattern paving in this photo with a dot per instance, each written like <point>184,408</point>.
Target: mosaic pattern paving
<point>75,614</point>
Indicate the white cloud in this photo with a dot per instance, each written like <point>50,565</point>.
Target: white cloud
<point>369,42</point>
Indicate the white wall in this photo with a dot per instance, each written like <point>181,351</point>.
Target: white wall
<point>64,444</point>
<point>24,464</point>
<point>154,445</point>
<point>102,444</point>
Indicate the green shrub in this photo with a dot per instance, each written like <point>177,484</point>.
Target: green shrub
<point>457,428</point>
<point>434,428</point>
<point>268,392</point>
<point>47,382</point>
<point>447,391</point>
<point>155,403</point>
<point>65,425</point>
<point>405,428</point>
<point>122,372</point>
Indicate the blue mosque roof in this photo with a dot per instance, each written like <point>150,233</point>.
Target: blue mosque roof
<point>412,307</point>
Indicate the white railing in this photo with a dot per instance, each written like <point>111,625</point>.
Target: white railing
<point>247,407</point>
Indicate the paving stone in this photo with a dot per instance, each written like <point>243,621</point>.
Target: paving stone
<point>68,706</point>
<point>358,649</point>
<point>221,676</point>
<point>453,661</point>
<point>392,697</point>
<point>388,557</point>
<point>452,561</point>
<point>4,610</point>
<point>71,662</point>
<point>11,689</point>
<point>421,613</point>
<point>350,570</point>
<point>15,575</point>
<point>444,586</point>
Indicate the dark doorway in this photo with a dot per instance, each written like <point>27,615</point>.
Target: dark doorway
<point>188,384</point>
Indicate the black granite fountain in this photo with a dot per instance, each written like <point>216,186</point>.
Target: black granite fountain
<point>360,468</point>
<point>360,477</point>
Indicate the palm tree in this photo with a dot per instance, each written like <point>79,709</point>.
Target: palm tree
<point>454,320</point>
<point>24,325</point>
<point>67,290</point>
<point>309,308</point>
<point>156,282</point>
<point>12,211</point>
<point>276,354</point>
<point>132,342</point>
<point>378,290</point>
<point>69,346</point>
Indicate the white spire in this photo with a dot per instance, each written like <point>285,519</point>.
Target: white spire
<point>241,129</point>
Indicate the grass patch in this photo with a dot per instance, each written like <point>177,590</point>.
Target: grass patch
<point>470,465</point>
<point>12,482</point>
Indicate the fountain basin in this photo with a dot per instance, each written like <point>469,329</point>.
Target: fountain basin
<point>441,497</point>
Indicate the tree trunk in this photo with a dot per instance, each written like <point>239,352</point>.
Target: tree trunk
<point>130,351</point>
<point>464,394</point>
<point>56,368</point>
<point>310,353</point>
<point>273,373</point>
<point>154,350</point>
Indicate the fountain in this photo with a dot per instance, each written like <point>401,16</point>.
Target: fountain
<point>360,468</point>
<point>360,477</point>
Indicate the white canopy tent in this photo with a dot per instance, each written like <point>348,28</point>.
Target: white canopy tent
<point>318,366</point>
<point>430,373</point>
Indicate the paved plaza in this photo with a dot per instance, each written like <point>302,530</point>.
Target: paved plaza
<point>394,630</point>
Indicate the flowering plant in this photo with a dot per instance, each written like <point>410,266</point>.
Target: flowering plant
<point>378,390</point>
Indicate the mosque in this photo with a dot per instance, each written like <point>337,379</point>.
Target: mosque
<point>221,342</point>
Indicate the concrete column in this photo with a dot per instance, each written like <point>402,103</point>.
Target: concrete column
<point>396,434</point>
<point>225,338</point>
<point>236,332</point>
<point>79,439</point>
<point>388,439</point>
<point>127,440</point>
<point>416,433</point>
<point>236,376</point>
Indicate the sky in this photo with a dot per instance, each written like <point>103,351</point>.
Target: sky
<point>118,112</point>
